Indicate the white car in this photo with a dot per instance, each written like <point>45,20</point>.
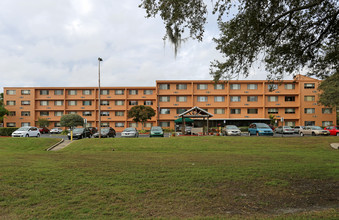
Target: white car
<point>26,131</point>
<point>231,130</point>
<point>130,132</point>
<point>55,131</point>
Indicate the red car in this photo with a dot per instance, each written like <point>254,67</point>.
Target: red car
<point>43,130</point>
<point>334,130</point>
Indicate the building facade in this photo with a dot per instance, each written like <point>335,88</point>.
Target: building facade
<point>238,102</point>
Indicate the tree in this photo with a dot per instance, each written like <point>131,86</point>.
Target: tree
<point>43,122</point>
<point>141,113</point>
<point>330,91</point>
<point>272,119</point>
<point>71,120</point>
<point>3,110</point>
<point>286,35</point>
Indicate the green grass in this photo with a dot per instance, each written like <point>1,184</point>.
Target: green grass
<point>186,177</point>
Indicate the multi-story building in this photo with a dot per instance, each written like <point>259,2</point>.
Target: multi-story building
<point>237,102</point>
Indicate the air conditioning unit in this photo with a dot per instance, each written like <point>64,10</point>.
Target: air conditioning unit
<point>21,97</point>
<point>246,116</point>
<point>208,104</point>
<point>277,104</point>
<point>208,92</point>
<point>175,92</point>
<point>246,91</point>
<point>277,92</point>
<point>48,107</point>
<point>82,107</point>
<point>109,97</point>
<point>246,104</point>
<point>143,97</point>
<point>48,97</point>
<point>109,107</point>
<point>314,91</point>
<point>175,104</point>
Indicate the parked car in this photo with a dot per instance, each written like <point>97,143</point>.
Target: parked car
<point>26,131</point>
<point>80,133</point>
<point>271,126</point>
<point>43,130</point>
<point>334,130</point>
<point>106,133</point>
<point>93,130</point>
<point>298,128</point>
<point>284,130</point>
<point>259,129</point>
<point>55,131</point>
<point>314,131</point>
<point>156,131</point>
<point>231,130</point>
<point>130,132</point>
<point>188,129</point>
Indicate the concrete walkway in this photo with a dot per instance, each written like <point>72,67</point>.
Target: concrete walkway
<point>335,145</point>
<point>60,145</point>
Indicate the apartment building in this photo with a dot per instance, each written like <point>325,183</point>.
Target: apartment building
<point>239,102</point>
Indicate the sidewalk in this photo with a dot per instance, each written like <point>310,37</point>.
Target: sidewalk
<point>61,145</point>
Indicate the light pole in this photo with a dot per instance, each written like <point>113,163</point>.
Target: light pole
<point>99,130</point>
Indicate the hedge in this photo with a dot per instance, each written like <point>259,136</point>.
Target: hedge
<point>7,131</point>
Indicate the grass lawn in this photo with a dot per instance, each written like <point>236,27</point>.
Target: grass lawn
<point>181,177</point>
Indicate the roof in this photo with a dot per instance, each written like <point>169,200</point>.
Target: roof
<point>196,112</point>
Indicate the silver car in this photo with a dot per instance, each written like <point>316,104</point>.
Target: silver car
<point>26,131</point>
<point>314,131</point>
<point>231,130</point>
<point>130,132</point>
<point>284,130</point>
<point>297,129</point>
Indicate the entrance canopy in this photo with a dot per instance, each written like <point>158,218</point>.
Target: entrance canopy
<point>179,120</point>
<point>194,112</point>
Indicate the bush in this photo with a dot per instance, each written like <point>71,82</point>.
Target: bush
<point>65,132</point>
<point>7,131</point>
<point>243,129</point>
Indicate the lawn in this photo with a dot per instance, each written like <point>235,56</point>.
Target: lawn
<point>181,177</point>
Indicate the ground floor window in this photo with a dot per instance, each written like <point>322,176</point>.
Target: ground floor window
<point>327,123</point>
<point>10,124</point>
<point>119,124</point>
<point>147,124</point>
<point>309,123</point>
<point>290,123</point>
<point>25,124</point>
<point>105,124</point>
<point>57,124</point>
<point>133,124</point>
<point>164,124</point>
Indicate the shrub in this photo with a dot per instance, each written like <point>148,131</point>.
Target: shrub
<point>7,131</point>
<point>65,132</point>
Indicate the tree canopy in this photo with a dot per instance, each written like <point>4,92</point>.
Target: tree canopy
<point>330,91</point>
<point>141,113</point>
<point>71,120</point>
<point>286,35</point>
<point>43,122</point>
<point>3,110</point>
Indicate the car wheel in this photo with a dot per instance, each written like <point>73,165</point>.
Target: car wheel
<point>313,134</point>
<point>38,135</point>
<point>257,133</point>
<point>69,138</point>
<point>301,134</point>
<point>337,134</point>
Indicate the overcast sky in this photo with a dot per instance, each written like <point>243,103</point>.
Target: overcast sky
<point>57,43</point>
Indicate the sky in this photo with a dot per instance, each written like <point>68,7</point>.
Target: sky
<point>48,43</point>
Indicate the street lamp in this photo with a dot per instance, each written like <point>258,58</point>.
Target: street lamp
<point>99,130</point>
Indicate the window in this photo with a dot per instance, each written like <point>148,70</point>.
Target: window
<point>272,98</point>
<point>44,92</point>
<point>235,86</point>
<point>25,92</point>
<point>148,92</point>
<point>44,113</point>
<point>71,113</point>
<point>133,92</point>
<point>119,124</point>
<point>104,92</point>
<point>326,110</point>
<point>12,113</point>
<point>202,98</point>
<point>290,123</point>
<point>10,124</point>
<point>104,124</point>
<point>219,86</point>
<point>148,124</point>
<point>58,92</point>
<point>309,123</point>
<point>72,92</point>
<point>148,102</point>
<point>23,124</point>
<point>44,103</point>
<point>165,111</point>
<point>181,98</point>
<point>181,110</point>
<point>219,98</point>
<point>104,113</point>
<point>327,123</point>
<point>252,111</point>
<point>133,102</point>
<point>289,86</point>
<point>57,124</point>
<point>25,113</point>
<point>289,98</point>
<point>10,102</point>
<point>164,86</point>
<point>119,113</point>
<point>164,98</point>
<point>235,98</point>
<point>272,87</point>
<point>309,110</point>
<point>133,124</point>
<point>252,86</point>
<point>235,111</point>
<point>309,98</point>
<point>89,124</point>
<point>27,102</point>
<point>58,113</point>
<point>72,103</point>
<point>10,92</point>
<point>164,124</point>
<point>87,92</point>
<point>58,103</point>
<point>119,102</point>
<point>272,111</point>
<point>219,111</point>
<point>309,86</point>
<point>201,86</point>
<point>86,103</point>
<point>104,102</point>
<point>119,92</point>
<point>252,98</point>
<point>290,111</point>
<point>181,86</point>
<point>87,113</point>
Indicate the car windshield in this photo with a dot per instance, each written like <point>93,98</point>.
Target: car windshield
<point>78,129</point>
<point>156,129</point>
<point>231,127</point>
<point>262,125</point>
<point>287,127</point>
<point>23,129</point>
<point>316,128</point>
<point>129,129</point>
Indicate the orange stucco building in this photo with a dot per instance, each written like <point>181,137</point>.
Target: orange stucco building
<point>237,102</point>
